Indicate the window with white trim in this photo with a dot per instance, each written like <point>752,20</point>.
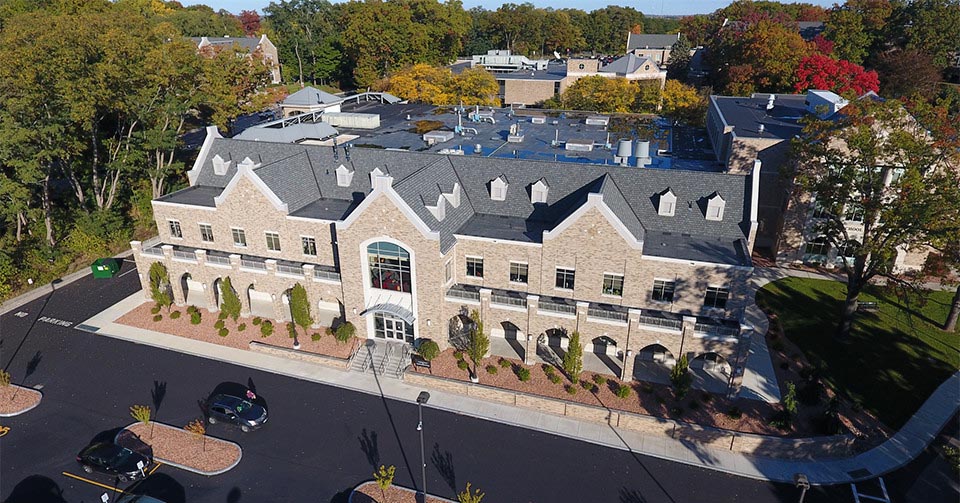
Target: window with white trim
<point>817,246</point>
<point>519,272</point>
<point>175,230</point>
<point>565,278</point>
<point>309,245</point>
<point>475,267</point>
<point>206,233</point>
<point>853,212</point>
<point>716,297</point>
<point>613,284</point>
<point>239,237</point>
<point>663,290</point>
<point>273,241</point>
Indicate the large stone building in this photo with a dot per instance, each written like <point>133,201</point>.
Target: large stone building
<point>646,264</point>
<point>651,45</point>
<point>256,47</point>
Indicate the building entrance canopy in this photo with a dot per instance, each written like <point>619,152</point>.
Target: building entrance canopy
<point>392,309</point>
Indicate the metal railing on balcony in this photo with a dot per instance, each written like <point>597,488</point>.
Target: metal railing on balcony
<point>253,264</point>
<point>658,322</point>
<point>464,294</point>
<point>556,307</point>
<point>218,259</point>
<point>716,329</point>
<point>293,269</point>
<point>507,300</point>
<point>607,314</point>
<point>323,274</point>
<point>155,251</point>
<point>185,255</point>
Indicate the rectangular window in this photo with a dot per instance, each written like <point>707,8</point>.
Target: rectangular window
<point>175,230</point>
<point>716,297</point>
<point>239,237</point>
<point>475,267</point>
<point>565,278</point>
<point>309,246</point>
<point>853,213</point>
<point>273,241</point>
<point>817,246</point>
<point>663,290</point>
<point>518,272</point>
<point>448,271</point>
<point>206,233</point>
<point>819,210</point>
<point>613,284</point>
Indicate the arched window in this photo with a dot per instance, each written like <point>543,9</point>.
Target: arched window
<point>389,267</point>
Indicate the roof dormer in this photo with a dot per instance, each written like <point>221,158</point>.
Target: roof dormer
<point>452,197</point>
<point>667,204</point>
<point>539,191</point>
<point>374,174</point>
<point>248,163</point>
<point>438,210</point>
<point>344,176</point>
<point>498,188</point>
<point>715,204</point>
<point>220,165</point>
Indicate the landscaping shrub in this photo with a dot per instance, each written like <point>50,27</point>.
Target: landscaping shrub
<point>587,385</point>
<point>504,363</point>
<point>192,309</point>
<point>548,369</point>
<point>780,420</point>
<point>316,336</point>
<point>680,377</point>
<point>344,332</point>
<point>599,379</point>
<point>174,315</point>
<point>157,317</point>
<point>223,332</point>
<point>623,391</point>
<point>554,378</point>
<point>221,316</point>
<point>428,349</point>
<point>195,317</point>
<point>573,358</point>
<point>462,364</point>
<point>160,285</point>
<point>491,369</point>
<point>155,309</point>
<point>218,325</point>
<point>790,400</point>
<point>230,302</point>
<point>241,327</point>
<point>256,321</point>
<point>266,328</point>
<point>734,412</point>
<point>571,389</point>
<point>523,374</point>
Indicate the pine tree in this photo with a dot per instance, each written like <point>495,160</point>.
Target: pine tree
<point>229,301</point>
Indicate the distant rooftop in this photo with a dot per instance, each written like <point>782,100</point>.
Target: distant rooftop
<point>747,114</point>
<point>311,96</point>
<point>248,43</point>
<point>651,41</point>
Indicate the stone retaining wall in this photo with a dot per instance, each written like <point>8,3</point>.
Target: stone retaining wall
<point>330,361</point>
<point>715,438</point>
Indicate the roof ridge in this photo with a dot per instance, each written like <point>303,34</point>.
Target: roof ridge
<point>630,206</point>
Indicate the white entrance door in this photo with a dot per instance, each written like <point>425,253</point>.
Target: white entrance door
<point>389,327</point>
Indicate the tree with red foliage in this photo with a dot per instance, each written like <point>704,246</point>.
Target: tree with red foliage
<point>819,71</point>
<point>823,44</point>
<point>250,21</point>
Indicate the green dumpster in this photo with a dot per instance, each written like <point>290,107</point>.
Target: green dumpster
<point>105,267</point>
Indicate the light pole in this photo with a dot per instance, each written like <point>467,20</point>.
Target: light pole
<point>802,483</point>
<point>422,399</point>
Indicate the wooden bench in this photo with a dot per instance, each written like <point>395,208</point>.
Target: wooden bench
<point>868,306</point>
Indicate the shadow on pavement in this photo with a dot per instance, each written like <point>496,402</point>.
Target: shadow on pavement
<point>162,487</point>
<point>36,489</point>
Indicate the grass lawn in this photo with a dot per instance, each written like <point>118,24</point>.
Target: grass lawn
<point>895,357</point>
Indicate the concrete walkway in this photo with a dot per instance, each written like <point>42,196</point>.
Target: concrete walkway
<point>896,452</point>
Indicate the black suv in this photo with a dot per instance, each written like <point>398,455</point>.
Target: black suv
<point>113,459</point>
<point>241,412</point>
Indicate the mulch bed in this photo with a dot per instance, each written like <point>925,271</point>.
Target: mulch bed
<point>182,447</point>
<point>658,400</point>
<point>141,317</point>
<point>17,399</point>
<point>369,492</point>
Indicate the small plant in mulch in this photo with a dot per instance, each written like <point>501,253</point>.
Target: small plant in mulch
<point>174,315</point>
<point>155,309</point>
<point>599,379</point>
<point>257,320</point>
<point>458,354</point>
<point>241,327</point>
<point>195,317</point>
<point>623,391</point>
<point>462,364</point>
<point>142,414</point>
<point>4,378</point>
<point>291,330</point>
<point>197,428</point>
<point>344,332</point>
<point>523,374</point>
<point>384,478</point>
<point>316,336</point>
<point>157,317</point>
<point>589,386</point>
<point>219,324</point>
<point>547,368</point>
<point>428,349</point>
<point>491,369</point>
<point>571,389</point>
<point>734,412</point>
<point>192,309</point>
<point>222,315</point>
<point>554,378</point>
<point>470,497</point>
<point>504,363</point>
<point>266,329</point>
<point>223,332</point>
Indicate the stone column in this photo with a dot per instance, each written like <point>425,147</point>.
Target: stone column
<point>277,297</point>
<point>582,308</point>
<point>239,286</point>
<point>209,293</point>
<point>629,354</point>
<point>687,332</point>
<point>307,283</point>
<point>179,296</point>
<point>143,268</point>
<point>530,350</point>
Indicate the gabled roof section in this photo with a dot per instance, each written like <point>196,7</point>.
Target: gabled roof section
<point>651,41</point>
<point>247,43</point>
<point>309,96</point>
<point>424,188</point>
<point>628,64</point>
<point>247,171</point>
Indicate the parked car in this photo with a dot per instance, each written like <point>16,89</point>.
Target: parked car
<point>235,410</point>
<point>113,459</point>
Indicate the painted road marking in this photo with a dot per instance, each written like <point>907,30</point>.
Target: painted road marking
<point>4,430</point>
<point>55,321</point>
<point>21,314</point>
<point>128,272</point>
<point>93,482</point>
<point>155,468</point>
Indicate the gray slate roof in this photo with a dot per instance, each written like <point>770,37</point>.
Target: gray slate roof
<point>309,96</point>
<point>650,41</point>
<point>289,134</point>
<point>248,43</point>
<point>627,64</point>
<point>746,115</point>
<point>304,176</point>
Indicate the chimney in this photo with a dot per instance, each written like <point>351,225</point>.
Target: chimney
<point>770,101</point>
<point>760,129</point>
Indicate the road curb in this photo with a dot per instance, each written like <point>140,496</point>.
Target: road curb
<point>28,409</point>
<point>184,467</point>
<point>402,488</point>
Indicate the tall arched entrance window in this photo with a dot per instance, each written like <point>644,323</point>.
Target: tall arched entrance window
<point>389,267</point>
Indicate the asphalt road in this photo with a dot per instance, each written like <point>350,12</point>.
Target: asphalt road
<point>320,440</point>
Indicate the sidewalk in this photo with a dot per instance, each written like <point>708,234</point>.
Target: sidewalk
<point>892,454</point>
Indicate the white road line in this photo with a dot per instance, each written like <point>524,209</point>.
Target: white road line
<point>128,272</point>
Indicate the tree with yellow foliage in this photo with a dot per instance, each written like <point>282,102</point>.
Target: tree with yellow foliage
<point>475,86</point>
<point>684,103</point>
<point>422,83</point>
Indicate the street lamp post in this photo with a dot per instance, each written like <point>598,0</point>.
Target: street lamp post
<point>422,399</point>
<point>802,483</point>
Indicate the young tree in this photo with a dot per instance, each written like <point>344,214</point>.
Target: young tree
<point>573,358</point>
<point>384,478</point>
<point>422,83</point>
<point>818,71</point>
<point>160,284</point>
<point>229,301</point>
<point>250,21</point>
<point>479,343</point>
<point>4,378</point>
<point>679,61</point>
<point>885,180</point>
<point>680,376</point>
<point>474,86</point>
<point>300,309</point>
<point>197,428</point>
<point>468,496</point>
<point>142,414</point>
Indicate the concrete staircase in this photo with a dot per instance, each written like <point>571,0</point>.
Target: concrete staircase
<point>382,358</point>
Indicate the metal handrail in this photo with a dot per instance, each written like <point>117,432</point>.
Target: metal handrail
<point>253,264</point>
<point>655,321</point>
<point>354,356</point>
<point>606,314</point>
<point>185,255</point>
<point>506,300</point>
<point>464,294</point>
<point>155,251</point>
<point>401,367</point>
<point>711,329</point>
<point>556,307</point>
<point>290,269</point>
<point>324,274</point>
<point>218,259</point>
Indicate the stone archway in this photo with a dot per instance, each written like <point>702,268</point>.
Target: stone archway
<point>217,292</point>
<point>552,345</point>
<point>653,363</point>
<point>286,314</point>
<point>261,303</point>
<point>192,291</point>
<point>711,372</point>
<point>603,357</point>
